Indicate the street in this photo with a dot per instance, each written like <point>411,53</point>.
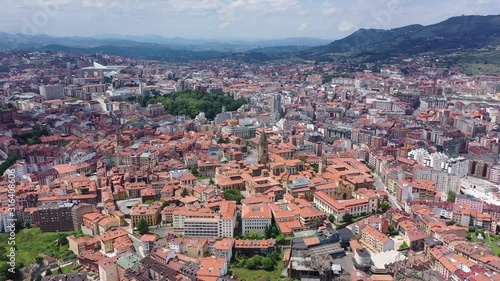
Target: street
<point>137,245</point>
<point>379,185</point>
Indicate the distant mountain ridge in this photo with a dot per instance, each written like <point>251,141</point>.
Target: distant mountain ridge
<point>462,32</point>
<point>456,33</point>
<point>20,41</point>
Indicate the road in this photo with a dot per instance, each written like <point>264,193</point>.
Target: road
<point>379,185</point>
<point>137,245</point>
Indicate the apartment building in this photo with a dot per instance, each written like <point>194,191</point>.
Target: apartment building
<point>55,217</point>
<point>215,221</point>
<point>255,218</point>
<point>376,240</point>
<point>224,248</point>
<point>338,209</point>
<point>148,212</point>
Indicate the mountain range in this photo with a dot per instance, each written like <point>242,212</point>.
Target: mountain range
<point>456,33</point>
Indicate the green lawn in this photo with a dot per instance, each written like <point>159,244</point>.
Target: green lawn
<point>32,242</point>
<point>493,241</point>
<point>69,268</point>
<point>260,275</point>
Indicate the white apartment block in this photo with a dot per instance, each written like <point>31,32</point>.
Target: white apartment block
<point>208,224</point>
<point>457,166</point>
<point>418,155</point>
<point>255,218</point>
<point>436,160</point>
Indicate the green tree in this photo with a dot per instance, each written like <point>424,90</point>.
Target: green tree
<point>142,226</point>
<point>254,262</point>
<point>280,238</point>
<point>384,206</point>
<point>331,218</point>
<point>452,195</point>
<point>59,270</point>
<point>194,171</point>
<point>7,163</point>
<point>233,195</point>
<point>185,192</point>
<point>315,167</point>
<point>347,218</point>
<point>165,204</point>
<point>267,232</point>
<point>48,272</point>
<point>267,264</point>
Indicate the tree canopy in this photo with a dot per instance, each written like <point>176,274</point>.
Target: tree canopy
<point>233,195</point>
<point>142,227</point>
<point>191,103</point>
<point>452,196</point>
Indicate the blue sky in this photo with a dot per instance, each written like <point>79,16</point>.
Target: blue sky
<point>216,19</point>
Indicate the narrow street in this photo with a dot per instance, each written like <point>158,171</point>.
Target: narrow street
<point>379,185</point>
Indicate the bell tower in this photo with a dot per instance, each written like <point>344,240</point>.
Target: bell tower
<point>263,150</point>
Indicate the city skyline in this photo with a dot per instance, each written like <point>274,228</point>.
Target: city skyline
<point>224,19</point>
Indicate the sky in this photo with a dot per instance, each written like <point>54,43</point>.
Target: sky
<point>228,19</point>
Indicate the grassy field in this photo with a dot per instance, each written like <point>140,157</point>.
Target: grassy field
<point>493,241</point>
<point>487,61</point>
<point>260,275</point>
<point>32,242</point>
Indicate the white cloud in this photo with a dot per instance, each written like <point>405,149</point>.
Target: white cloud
<point>346,26</point>
<point>302,27</point>
<point>330,11</point>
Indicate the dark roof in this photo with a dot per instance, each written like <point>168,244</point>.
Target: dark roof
<point>345,234</point>
<point>77,276</point>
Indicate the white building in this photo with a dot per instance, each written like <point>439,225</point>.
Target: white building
<point>52,92</point>
<point>208,224</point>
<point>457,166</point>
<point>255,218</point>
<point>436,160</point>
<point>418,155</point>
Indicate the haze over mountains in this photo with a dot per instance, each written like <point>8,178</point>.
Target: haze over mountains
<point>456,33</point>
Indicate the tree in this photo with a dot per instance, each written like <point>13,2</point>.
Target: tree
<point>211,181</point>
<point>452,195</point>
<point>39,260</point>
<point>280,239</point>
<point>331,218</point>
<point>194,171</point>
<point>267,232</point>
<point>59,270</point>
<point>315,167</point>
<point>233,195</point>
<point>254,262</point>
<point>384,206</point>
<point>347,218</point>
<point>303,159</point>
<point>7,163</point>
<point>142,226</point>
<point>185,192</point>
<point>267,264</point>
<point>149,201</point>
<point>165,204</point>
